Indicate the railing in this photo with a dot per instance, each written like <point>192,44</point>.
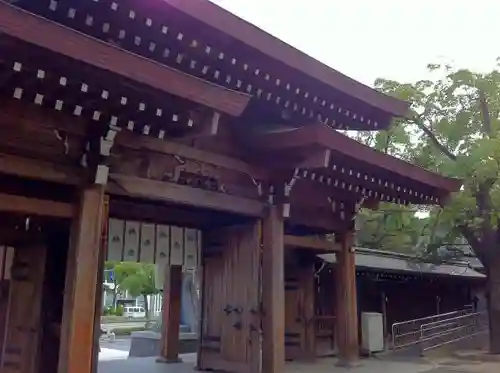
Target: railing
<point>440,333</point>
<point>408,333</point>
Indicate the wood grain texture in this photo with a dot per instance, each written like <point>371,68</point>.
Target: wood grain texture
<point>273,292</point>
<point>79,309</point>
<point>172,288</point>
<point>23,330</point>
<point>346,302</point>
<point>62,40</point>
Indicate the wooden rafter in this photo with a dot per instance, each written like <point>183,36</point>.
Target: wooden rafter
<point>358,169</point>
<point>49,35</point>
<point>217,18</point>
<point>328,138</point>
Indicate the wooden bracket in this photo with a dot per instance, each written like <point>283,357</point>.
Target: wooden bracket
<point>258,185</point>
<point>287,191</point>
<point>97,152</point>
<point>357,207</point>
<point>209,124</point>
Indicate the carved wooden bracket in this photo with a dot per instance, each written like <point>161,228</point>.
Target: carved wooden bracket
<point>287,191</point>
<point>97,151</point>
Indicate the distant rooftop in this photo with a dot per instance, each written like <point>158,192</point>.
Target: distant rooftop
<point>390,261</point>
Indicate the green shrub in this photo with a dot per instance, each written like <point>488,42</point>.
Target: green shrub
<point>119,311</point>
<point>127,331</point>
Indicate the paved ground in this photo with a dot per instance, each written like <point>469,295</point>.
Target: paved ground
<point>146,365</point>
<point>149,365</point>
<point>120,343</point>
<point>114,359</point>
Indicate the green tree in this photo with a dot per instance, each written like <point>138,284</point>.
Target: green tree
<point>138,279</point>
<point>390,228</point>
<point>454,129</point>
<point>113,289</point>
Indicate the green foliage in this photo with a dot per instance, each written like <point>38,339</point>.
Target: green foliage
<point>392,228</point>
<point>136,278</point>
<point>118,310</point>
<point>113,311</point>
<point>454,130</point>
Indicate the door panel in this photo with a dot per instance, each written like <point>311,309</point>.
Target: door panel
<point>325,312</point>
<point>299,311</point>
<point>20,354</point>
<point>230,339</point>
<point>294,326</point>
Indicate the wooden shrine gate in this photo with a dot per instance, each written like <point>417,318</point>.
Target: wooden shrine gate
<point>230,326</point>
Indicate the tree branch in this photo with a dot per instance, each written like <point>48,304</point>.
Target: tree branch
<point>434,139</point>
<point>474,242</point>
<point>485,113</point>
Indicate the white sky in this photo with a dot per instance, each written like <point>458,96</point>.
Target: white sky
<point>394,39</point>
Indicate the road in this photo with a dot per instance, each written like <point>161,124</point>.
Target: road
<point>120,343</point>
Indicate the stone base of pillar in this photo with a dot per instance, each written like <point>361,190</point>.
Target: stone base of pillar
<point>165,360</point>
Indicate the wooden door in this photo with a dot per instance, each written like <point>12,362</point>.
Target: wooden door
<point>21,348</point>
<point>294,322</point>
<point>230,329</point>
<point>325,312</point>
<point>299,310</point>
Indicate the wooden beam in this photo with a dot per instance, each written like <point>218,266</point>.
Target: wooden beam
<point>158,190</point>
<point>17,236</point>
<point>38,170</point>
<point>172,289</point>
<point>311,243</point>
<point>273,292</point>
<point>34,206</point>
<point>346,302</point>
<point>169,214</point>
<point>59,39</point>
<point>77,345</point>
<point>40,120</point>
<point>315,218</point>
<point>146,143</point>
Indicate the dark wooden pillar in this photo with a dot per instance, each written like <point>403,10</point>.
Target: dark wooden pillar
<point>346,305</point>
<point>273,293</point>
<point>82,275</point>
<point>99,285</point>
<point>21,353</point>
<point>172,288</point>
<point>308,309</point>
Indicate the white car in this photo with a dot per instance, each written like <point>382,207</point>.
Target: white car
<point>134,312</point>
